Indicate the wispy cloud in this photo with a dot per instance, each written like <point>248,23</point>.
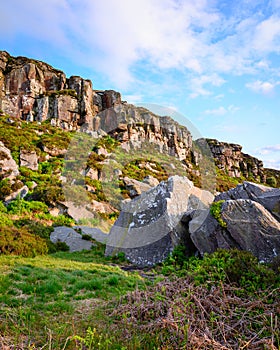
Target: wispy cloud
<point>197,38</point>
<point>270,155</point>
<point>222,110</point>
<point>263,87</point>
<point>269,149</point>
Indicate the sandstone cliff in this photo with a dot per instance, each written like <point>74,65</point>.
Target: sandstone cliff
<point>34,91</point>
<point>230,159</point>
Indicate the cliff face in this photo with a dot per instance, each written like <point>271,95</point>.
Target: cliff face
<point>34,91</point>
<point>230,159</point>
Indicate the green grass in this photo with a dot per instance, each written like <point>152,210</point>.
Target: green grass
<point>85,301</point>
<point>45,294</point>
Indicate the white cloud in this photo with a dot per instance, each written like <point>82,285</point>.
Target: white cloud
<point>198,83</point>
<point>270,156</point>
<point>267,35</point>
<point>264,87</point>
<point>132,98</point>
<point>222,110</point>
<point>272,163</point>
<point>218,111</point>
<point>269,149</point>
<point>113,36</point>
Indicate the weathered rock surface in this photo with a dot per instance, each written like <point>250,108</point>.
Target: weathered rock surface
<point>267,196</point>
<point>135,187</point>
<point>230,158</point>
<point>29,159</point>
<point>149,226</point>
<point>21,192</point>
<point>249,227</point>
<point>94,233</point>
<point>72,238</point>
<point>251,215</point>
<point>8,166</point>
<point>33,90</point>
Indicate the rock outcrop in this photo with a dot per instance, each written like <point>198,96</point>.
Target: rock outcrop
<point>268,197</point>
<point>149,226</point>
<point>71,238</point>
<point>8,166</point>
<point>176,212</point>
<point>230,158</point>
<point>33,90</point>
<point>250,214</point>
<point>28,159</point>
<point>135,187</point>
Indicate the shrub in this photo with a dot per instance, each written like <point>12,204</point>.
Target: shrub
<point>216,210</point>
<point>5,220</point>
<point>233,266</point>
<point>271,181</point>
<point>21,242</point>
<point>3,208</point>
<point>21,206</point>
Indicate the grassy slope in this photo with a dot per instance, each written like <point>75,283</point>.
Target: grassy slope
<point>48,299</point>
<point>86,301</point>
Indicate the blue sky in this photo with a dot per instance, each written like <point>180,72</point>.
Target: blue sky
<point>216,62</point>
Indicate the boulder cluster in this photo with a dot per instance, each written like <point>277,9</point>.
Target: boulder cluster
<point>176,212</point>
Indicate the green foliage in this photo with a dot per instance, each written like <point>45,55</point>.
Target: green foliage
<point>225,182</point>
<point>107,142</point>
<point>175,261</point>
<point>3,208</point>
<point>59,246</point>
<point>5,220</point>
<point>271,181</point>
<point>20,242</point>
<point>119,258</point>
<point>138,169</point>
<point>93,340</point>
<point>62,220</point>
<point>94,161</point>
<point>7,187</point>
<point>21,206</point>
<point>215,210</point>
<point>49,193</point>
<point>234,266</point>
<point>64,92</point>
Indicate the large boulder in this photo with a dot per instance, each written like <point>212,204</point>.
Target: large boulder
<point>73,239</point>
<point>250,214</point>
<point>149,226</point>
<point>267,196</point>
<point>136,187</point>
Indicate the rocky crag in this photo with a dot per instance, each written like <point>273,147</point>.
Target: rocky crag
<point>32,90</point>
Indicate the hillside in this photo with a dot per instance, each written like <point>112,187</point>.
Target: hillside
<point>73,158</point>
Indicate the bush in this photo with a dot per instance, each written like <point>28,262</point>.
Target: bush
<point>3,208</point>
<point>234,266</point>
<point>271,181</point>
<point>21,206</point>
<point>21,242</point>
<point>5,220</point>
